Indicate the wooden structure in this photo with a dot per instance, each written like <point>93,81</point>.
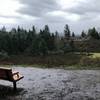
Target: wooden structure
<point>7,74</point>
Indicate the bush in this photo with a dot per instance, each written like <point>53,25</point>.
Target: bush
<point>92,62</point>
<point>3,55</point>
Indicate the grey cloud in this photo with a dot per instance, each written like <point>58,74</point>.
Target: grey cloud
<point>38,7</point>
<point>54,19</point>
<point>15,17</point>
<point>88,12</point>
<point>91,6</point>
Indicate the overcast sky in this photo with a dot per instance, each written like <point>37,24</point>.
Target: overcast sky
<point>78,14</point>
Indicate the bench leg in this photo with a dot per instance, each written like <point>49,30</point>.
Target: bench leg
<point>14,85</point>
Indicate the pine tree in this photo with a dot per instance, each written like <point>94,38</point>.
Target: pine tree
<point>83,34</point>
<point>93,33</point>
<point>67,32</point>
<point>73,34</point>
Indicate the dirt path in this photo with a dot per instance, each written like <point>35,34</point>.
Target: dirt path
<point>53,84</point>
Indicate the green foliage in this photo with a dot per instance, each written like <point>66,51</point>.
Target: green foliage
<point>39,47</point>
<point>72,45</point>
<point>90,62</point>
<point>67,31</point>
<point>20,41</point>
<point>48,48</point>
<point>83,34</point>
<point>3,55</point>
<point>43,47</point>
<point>93,33</point>
<point>73,34</point>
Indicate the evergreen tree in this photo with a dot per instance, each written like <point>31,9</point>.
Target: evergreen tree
<point>47,36</point>
<point>83,34</point>
<point>43,47</point>
<point>35,46</point>
<point>93,33</point>
<point>3,29</point>
<point>67,32</point>
<point>73,34</point>
<point>66,43</point>
<point>31,35</point>
<point>57,41</point>
<point>72,45</point>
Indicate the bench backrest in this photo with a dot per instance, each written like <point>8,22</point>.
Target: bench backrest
<point>6,73</point>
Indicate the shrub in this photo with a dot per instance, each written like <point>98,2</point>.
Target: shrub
<point>92,62</point>
<point>3,55</point>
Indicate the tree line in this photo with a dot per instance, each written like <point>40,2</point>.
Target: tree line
<point>30,42</point>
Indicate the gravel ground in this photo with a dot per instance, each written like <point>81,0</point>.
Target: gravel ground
<point>53,84</point>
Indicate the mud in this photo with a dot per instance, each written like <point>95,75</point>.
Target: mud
<point>53,84</point>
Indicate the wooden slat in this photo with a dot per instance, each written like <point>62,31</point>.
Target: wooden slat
<point>5,68</point>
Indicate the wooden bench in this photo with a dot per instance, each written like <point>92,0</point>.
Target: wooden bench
<point>7,74</point>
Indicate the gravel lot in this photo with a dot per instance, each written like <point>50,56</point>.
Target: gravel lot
<point>53,84</point>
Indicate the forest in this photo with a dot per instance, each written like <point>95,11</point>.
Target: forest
<point>45,47</point>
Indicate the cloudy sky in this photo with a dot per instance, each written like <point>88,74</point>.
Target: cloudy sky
<point>79,14</point>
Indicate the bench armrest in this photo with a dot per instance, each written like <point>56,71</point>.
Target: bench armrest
<point>16,73</point>
<point>17,76</point>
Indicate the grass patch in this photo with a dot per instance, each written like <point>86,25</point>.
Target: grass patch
<point>95,55</point>
<point>68,61</point>
<point>50,60</point>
